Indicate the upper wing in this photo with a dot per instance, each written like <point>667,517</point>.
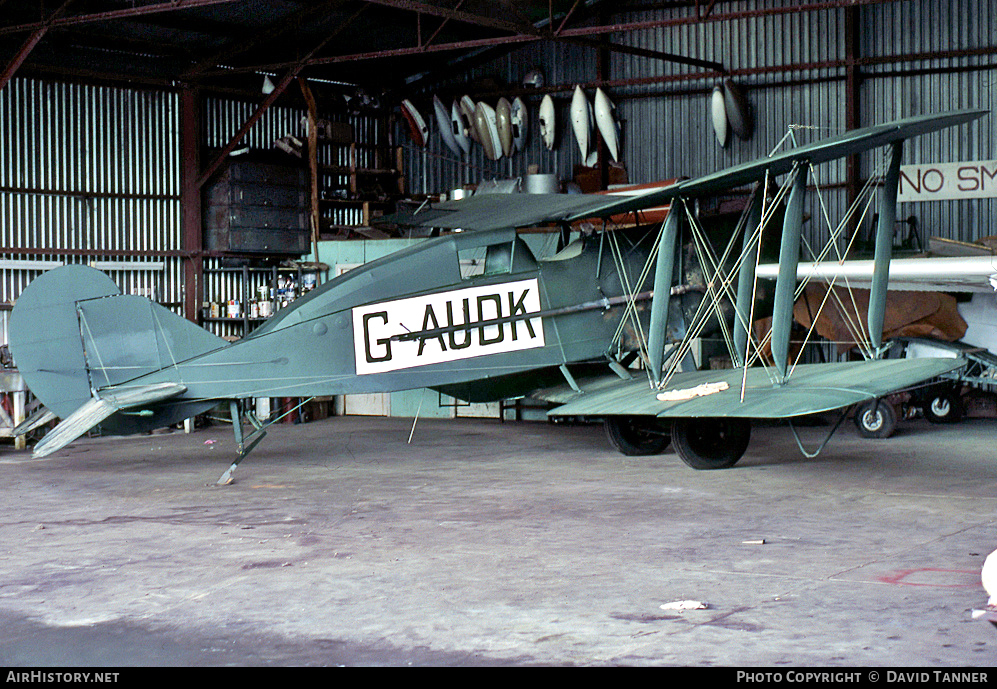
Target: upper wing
<point>945,274</point>
<point>499,211</point>
<point>494,211</point>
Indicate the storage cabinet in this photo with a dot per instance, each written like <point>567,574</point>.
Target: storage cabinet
<point>259,208</point>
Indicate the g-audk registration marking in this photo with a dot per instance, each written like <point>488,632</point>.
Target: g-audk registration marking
<point>447,326</point>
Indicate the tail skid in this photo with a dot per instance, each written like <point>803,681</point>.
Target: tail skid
<point>38,418</point>
<point>245,444</point>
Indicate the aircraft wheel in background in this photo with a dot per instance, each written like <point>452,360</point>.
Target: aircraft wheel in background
<point>875,419</point>
<point>637,435</point>
<point>711,443</point>
<point>944,407</point>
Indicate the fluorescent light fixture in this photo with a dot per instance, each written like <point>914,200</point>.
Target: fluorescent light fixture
<point>18,264</point>
<point>15,264</point>
<point>128,265</point>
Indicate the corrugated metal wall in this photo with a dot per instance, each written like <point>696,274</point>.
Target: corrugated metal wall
<point>670,123</point>
<point>96,168</point>
<point>666,128</point>
<point>900,89</point>
<point>90,168</point>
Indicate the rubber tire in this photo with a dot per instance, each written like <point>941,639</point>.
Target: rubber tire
<point>637,436</point>
<point>944,407</point>
<point>713,443</point>
<point>880,424</point>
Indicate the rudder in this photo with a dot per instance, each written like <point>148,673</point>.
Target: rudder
<point>72,333</point>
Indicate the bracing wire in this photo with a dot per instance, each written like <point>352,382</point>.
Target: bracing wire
<point>849,317</point>
<point>719,282</point>
<point>93,342</point>
<point>630,311</point>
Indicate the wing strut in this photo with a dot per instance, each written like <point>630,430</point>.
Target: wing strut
<point>884,249</point>
<point>789,258</point>
<point>746,277</point>
<point>663,273</point>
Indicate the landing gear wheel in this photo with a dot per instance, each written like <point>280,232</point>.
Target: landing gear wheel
<point>711,443</point>
<point>637,435</point>
<point>875,419</point>
<point>944,407</point>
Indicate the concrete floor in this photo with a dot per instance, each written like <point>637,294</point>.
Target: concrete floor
<point>483,543</point>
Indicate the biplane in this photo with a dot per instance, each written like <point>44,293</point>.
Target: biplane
<point>566,328</point>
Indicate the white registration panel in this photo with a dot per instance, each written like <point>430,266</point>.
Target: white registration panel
<point>375,326</point>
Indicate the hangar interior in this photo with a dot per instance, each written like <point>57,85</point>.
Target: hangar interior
<point>224,158</point>
<point>129,128</point>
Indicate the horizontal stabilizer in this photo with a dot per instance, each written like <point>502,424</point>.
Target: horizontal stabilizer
<point>72,330</point>
<point>139,395</point>
<point>96,409</point>
<point>78,423</point>
<point>39,417</point>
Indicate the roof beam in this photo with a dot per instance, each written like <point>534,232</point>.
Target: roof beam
<point>528,30</point>
<point>288,24</point>
<point>574,33</point>
<point>643,52</point>
<point>703,14</point>
<point>455,14</point>
<point>111,15</point>
<point>814,6</point>
<point>253,119</point>
<point>442,24</point>
<point>29,45</point>
<point>564,21</point>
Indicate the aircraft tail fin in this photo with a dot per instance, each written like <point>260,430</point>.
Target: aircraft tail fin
<point>78,342</point>
<point>72,333</point>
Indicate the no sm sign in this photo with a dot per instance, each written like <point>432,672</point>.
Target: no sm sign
<point>944,181</point>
